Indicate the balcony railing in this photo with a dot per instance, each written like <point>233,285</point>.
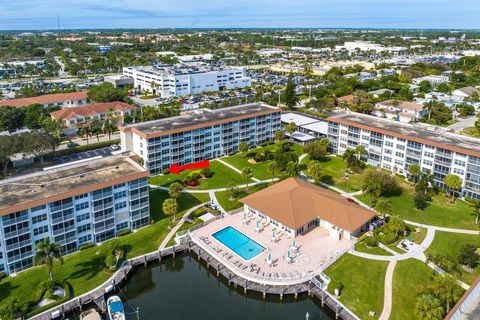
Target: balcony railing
<point>16,233</point>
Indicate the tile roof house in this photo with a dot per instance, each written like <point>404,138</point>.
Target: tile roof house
<point>64,100</point>
<point>403,111</point>
<point>73,118</point>
<point>296,206</point>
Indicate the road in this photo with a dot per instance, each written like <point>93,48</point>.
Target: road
<point>463,123</point>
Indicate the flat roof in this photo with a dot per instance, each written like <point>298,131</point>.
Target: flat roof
<point>418,132</point>
<point>199,118</point>
<point>27,191</point>
<point>300,136</point>
<point>320,127</point>
<point>298,119</point>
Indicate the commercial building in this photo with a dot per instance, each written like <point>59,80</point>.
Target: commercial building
<point>185,79</point>
<point>296,206</point>
<point>433,79</point>
<point>199,134</point>
<point>64,100</point>
<point>395,146</point>
<point>119,81</point>
<point>72,204</point>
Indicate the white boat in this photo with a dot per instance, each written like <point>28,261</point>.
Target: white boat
<point>115,308</point>
<point>90,314</point>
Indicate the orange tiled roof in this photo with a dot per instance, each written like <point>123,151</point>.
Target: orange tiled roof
<point>90,110</point>
<point>48,98</point>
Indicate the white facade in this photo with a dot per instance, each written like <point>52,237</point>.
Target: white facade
<point>434,80</point>
<point>168,84</point>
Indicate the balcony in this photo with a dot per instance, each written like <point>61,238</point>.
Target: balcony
<point>104,228</point>
<point>22,256</point>
<point>103,206</point>
<point>63,230</point>
<point>9,222</point>
<point>102,195</point>
<point>138,206</point>
<point>104,217</point>
<point>18,245</point>
<point>61,207</point>
<point>16,233</point>
<point>63,218</point>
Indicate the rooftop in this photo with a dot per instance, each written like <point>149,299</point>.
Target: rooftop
<point>298,119</point>
<point>199,118</point>
<point>419,132</point>
<point>39,188</point>
<point>91,109</point>
<point>47,98</point>
<point>294,202</point>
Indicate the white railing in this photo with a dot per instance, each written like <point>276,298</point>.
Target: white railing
<point>250,276</point>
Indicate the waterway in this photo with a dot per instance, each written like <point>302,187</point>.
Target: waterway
<point>183,288</point>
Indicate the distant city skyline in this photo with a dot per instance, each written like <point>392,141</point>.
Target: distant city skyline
<point>90,14</point>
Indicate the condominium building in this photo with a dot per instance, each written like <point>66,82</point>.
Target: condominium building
<point>64,100</point>
<point>185,79</point>
<point>395,146</point>
<point>200,134</point>
<point>72,204</point>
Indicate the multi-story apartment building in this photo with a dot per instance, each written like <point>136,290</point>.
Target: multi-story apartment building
<point>64,100</point>
<point>395,146</point>
<point>180,80</point>
<point>200,134</point>
<point>84,202</point>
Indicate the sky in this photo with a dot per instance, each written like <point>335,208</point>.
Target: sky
<point>93,14</point>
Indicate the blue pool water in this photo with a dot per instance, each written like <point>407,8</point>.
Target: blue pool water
<point>238,243</point>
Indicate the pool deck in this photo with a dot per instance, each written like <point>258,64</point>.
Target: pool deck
<point>317,251</point>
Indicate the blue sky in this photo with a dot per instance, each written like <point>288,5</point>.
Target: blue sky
<point>88,14</point>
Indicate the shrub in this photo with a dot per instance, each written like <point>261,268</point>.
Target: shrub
<point>371,241</point>
<point>123,232</point>
<point>468,256</point>
<point>3,275</point>
<point>206,172</point>
<point>335,284</point>
<point>86,246</point>
<point>388,182</point>
<point>232,153</point>
<point>166,171</point>
<point>421,200</point>
<point>385,236</point>
<point>110,261</point>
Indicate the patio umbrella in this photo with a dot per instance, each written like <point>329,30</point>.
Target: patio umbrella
<point>294,245</point>
<point>269,257</point>
<point>258,224</point>
<point>244,215</point>
<point>273,233</point>
<point>288,253</point>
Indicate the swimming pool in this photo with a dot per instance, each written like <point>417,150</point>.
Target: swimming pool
<point>238,243</point>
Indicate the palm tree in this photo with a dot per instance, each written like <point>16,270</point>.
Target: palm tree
<point>109,127</point>
<point>315,171</point>
<point>446,289</point>
<point>247,174</point>
<point>170,207</point>
<point>350,159</point>
<point>85,132</point>
<point>383,207</point>
<point>396,224</point>
<point>428,307</point>
<point>453,183</point>
<point>476,206</point>
<point>279,135</point>
<point>272,167</point>
<point>360,151</point>
<point>47,252</point>
<point>291,127</point>
<point>243,147</point>
<point>372,189</point>
<point>10,309</point>
<point>292,169</point>
<point>428,179</point>
<point>174,190</point>
<point>96,127</point>
<point>414,171</point>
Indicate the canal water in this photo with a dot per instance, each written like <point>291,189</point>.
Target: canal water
<point>183,288</point>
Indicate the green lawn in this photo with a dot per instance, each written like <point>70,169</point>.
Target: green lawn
<point>85,270</point>
<point>361,247</point>
<point>223,197</point>
<point>409,278</point>
<point>363,282</point>
<point>260,171</point>
<point>335,174</point>
<point>222,176</point>
<point>448,244</point>
<point>439,213</point>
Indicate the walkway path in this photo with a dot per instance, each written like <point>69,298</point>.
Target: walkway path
<point>174,230</point>
<point>234,168</point>
<point>213,197</point>
<point>387,294</point>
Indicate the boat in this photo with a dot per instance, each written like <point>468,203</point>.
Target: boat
<point>90,314</point>
<point>115,308</point>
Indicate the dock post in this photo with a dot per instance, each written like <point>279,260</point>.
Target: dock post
<point>173,253</point>
<point>337,310</point>
<point>218,270</point>
<point>264,291</point>
<point>138,314</point>
<point>199,253</point>
<point>296,293</point>
<point>145,260</point>
<point>323,298</point>
<point>159,255</point>
<point>245,288</point>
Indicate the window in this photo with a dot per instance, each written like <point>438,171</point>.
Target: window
<point>119,195</point>
<point>428,154</point>
<point>399,154</point>
<point>388,144</point>
<point>120,205</point>
<point>458,171</point>
<point>81,196</point>
<point>40,218</point>
<point>85,227</point>
<point>428,162</point>
<point>81,206</point>
<point>83,217</point>
<point>38,208</point>
<point>40,230</point>
<point>119,185</point>
<point>460,163</point>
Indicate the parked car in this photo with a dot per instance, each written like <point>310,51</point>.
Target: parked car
<point>115,147</point>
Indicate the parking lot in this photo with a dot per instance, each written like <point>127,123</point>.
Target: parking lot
<point>104,152</point>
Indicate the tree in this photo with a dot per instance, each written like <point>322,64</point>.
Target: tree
<point>9,146</point>
<point>289,94</point>
<point>11,118</point>
<point>446,288</point>
<point>421,200</point>
<point>174,190</point>
<point>247,174</point>
<point>383,207</point>
<point>37,143</point>
<point>291,127</point>
<point>243,147</point>
<point>279,135</point>
<point>475,204</point>
<point>453,183</point>
<point>388,183</point>
<point>396,224</point>
<point>425,86</point>
<point>428,307</point>
<point>232,190</point>
<point>317,149</point>
<point>109,127</point>
<point>372,189</point>
<point>292,169</point>
<point>352,161</point>
<point>315,170</point>
<point>360,151</point>
<point>415,171</point>
<point>10,309</point>
<point>106,92</point>
<point>272,167</point>
<point>85,132</point>
<point>47,253</point>
<point>54,128</point>
<point>96,127</point>
<point>170,207</point>
<point>468,256</point>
